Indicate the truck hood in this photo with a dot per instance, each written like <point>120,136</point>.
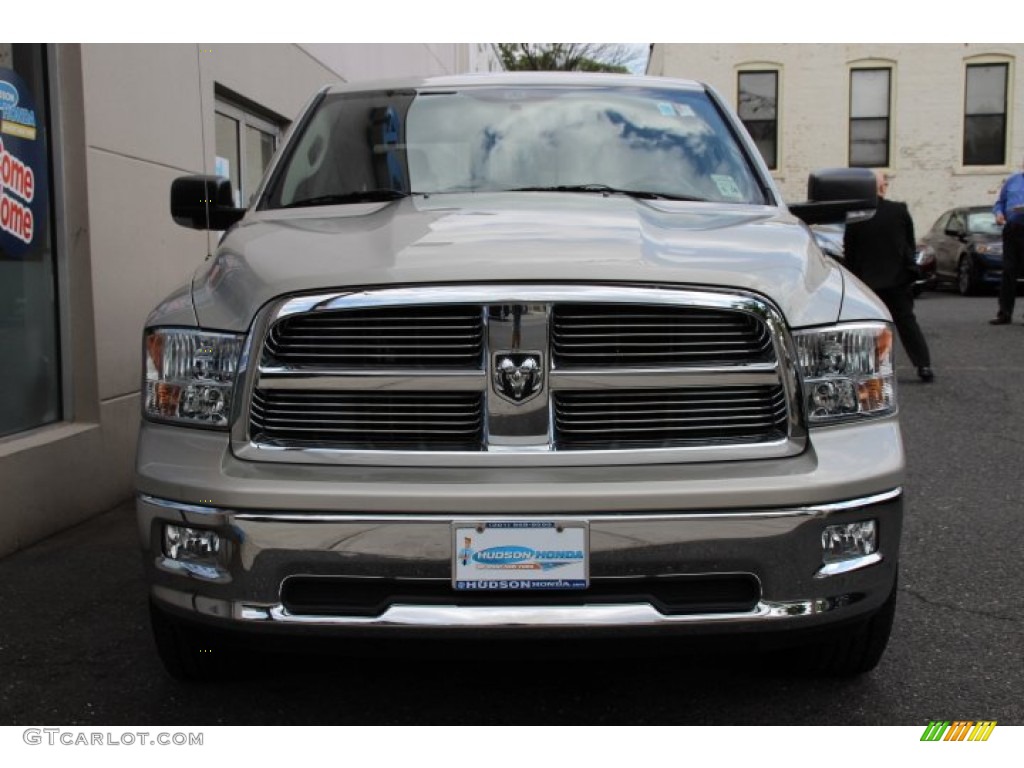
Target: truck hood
<point>517,237</point>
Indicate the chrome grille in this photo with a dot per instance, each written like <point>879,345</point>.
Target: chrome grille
<point>662,418</point>
<point>406,337</point>
<point>647,335</point>
<point>428,375</point>
<point>434,421</point>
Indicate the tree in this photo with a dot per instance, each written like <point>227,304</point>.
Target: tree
<point>583,57</point>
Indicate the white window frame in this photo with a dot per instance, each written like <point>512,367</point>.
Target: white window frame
<point>871,66</point>
<point>245,118</point>
<point>767,69</point>
<point>989,60</point>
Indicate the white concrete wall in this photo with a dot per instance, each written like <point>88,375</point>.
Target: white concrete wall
<point>926,120</point>
<point>148,119</point>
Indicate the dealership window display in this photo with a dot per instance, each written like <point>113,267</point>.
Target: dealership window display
<point>30,393</point>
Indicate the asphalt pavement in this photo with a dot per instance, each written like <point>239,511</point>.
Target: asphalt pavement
<point>75,647</point>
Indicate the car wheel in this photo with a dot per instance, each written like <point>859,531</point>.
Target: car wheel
<point>966,280</point>
<point>187,651</point>
<point>854,649</point>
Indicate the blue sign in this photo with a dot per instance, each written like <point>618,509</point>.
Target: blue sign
<point>23,171</point>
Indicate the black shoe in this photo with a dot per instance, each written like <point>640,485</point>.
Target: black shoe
<point>1000,319</point>
<point>926,374</point>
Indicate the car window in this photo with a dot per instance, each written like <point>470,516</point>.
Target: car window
<point>666,142</point>
<point>350,144</point>
<point>983,223</point>
<point>939,227</point>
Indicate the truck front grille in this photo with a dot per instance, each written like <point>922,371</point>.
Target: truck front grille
<point>659,418</point>
<point>388,337</point>
<point>383,421</point>
<point>520,372</point>
<point>644,335</point>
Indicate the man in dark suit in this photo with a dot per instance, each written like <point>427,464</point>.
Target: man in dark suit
<point>880,251</point>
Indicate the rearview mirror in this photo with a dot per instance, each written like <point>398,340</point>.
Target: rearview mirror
<point>204,202</point>
<point>837,195</point>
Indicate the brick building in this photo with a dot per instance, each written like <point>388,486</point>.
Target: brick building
<point>942,119</point>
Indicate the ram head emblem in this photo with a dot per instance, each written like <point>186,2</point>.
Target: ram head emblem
<point>518,376</point>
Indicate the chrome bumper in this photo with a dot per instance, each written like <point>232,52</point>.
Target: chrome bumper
<point>780,547</point>
<point>444,616</point>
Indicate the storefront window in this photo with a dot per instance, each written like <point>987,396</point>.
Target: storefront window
<point>30,393</point>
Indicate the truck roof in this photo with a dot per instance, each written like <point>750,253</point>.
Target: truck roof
<point>482,79</point>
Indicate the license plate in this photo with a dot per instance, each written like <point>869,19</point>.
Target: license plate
<point>520,555</point>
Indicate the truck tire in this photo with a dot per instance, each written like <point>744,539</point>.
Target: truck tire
<point>854,649</point>
<point>188,653</point>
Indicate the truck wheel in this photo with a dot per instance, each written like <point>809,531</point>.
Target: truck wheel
<point>856,649</point>
<point>187,652</point>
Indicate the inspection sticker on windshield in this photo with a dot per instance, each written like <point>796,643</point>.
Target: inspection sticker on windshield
<point>520,555</point>
<point>666,109</point>
<point>727,186</point>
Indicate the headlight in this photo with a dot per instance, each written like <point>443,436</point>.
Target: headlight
<point>990,249</point>
<point>847,372</point>
<point>190,375</point>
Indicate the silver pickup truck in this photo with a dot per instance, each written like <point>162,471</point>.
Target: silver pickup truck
<point>520,356</point>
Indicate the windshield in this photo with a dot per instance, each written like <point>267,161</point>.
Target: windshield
<point>983,223</point>
<point>642,141</point>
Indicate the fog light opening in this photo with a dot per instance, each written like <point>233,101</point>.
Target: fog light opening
<point>194,545</point>
<point>849,541</point>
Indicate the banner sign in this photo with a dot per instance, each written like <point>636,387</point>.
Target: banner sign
<point>23,170</point>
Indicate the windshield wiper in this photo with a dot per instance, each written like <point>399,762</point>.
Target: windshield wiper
<point>362,196</point>
<point>640,194</point>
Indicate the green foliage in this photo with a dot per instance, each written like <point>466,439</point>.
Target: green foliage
<point>581,57</point>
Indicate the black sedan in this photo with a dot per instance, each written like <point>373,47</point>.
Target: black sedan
<point>967,246</point>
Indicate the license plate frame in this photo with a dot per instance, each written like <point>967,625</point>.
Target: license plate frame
<point>520,555</point>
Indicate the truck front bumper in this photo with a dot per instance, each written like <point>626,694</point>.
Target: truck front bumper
<point>725,530</point>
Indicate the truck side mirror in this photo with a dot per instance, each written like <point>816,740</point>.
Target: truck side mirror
<point>837,195</point>
<point>204,202</point>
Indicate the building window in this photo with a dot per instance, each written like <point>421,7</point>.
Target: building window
<point>758,109</point>
<point>985,114</point>
<point>869,117</point>
<point>30,385</point>
<point>245,144</point>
